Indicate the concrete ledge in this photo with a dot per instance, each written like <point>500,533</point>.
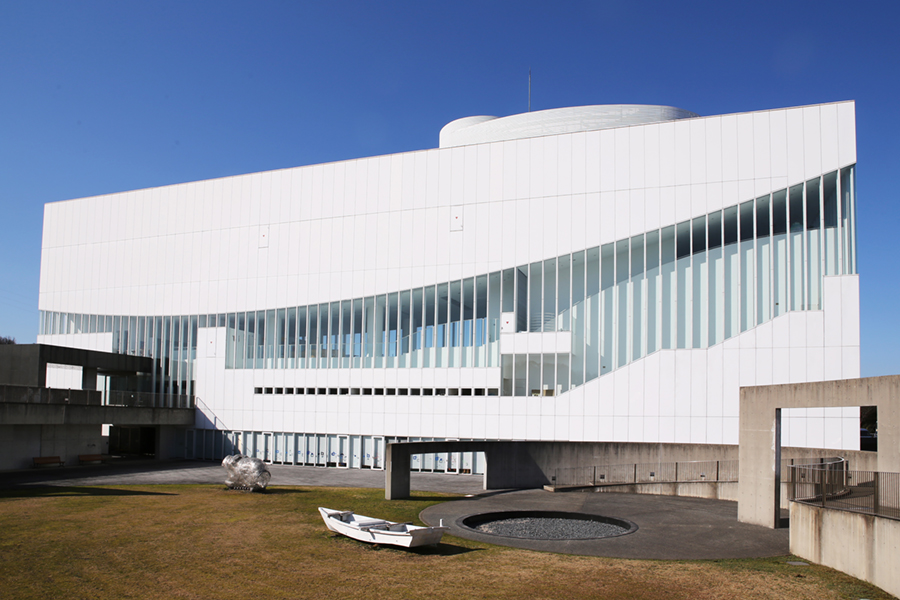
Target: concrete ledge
<point>714,490</point>
<point>75,414</point>
<point>863,546</point>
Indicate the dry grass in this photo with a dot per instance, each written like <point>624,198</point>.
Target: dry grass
<point>206,542</point>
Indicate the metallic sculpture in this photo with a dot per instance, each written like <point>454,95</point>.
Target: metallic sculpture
<point>245,473</point>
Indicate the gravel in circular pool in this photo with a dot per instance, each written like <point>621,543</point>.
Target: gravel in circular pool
<point>546,525</point>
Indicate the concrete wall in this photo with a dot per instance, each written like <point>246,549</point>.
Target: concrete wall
<point>18,394</point>
<point>20,364</point>
<point>533,464</point>
<point>863,546</point>
<point>760,433</point>
<point>170,442</point>
<point>68,441</point>
<point>714,490</point>
<point>20,443</point>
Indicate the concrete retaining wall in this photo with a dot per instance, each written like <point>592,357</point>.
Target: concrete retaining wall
<point>533,464</point>
<point>20,443</point>
<point>714,490</point>
<point>863,546</point>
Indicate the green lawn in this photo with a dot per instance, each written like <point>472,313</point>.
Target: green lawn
<point>207,542</point>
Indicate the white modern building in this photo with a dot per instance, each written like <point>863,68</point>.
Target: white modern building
<point>599,273</point>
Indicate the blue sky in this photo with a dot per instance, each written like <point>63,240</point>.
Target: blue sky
<point>99,97</point>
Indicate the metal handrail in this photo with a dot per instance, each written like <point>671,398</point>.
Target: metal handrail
<point>836,487</point>
<point>149,399</point>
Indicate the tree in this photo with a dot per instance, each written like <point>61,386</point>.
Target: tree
<point>7,340</point>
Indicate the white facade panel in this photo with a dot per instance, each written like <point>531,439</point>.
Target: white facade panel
<point>571,226</point>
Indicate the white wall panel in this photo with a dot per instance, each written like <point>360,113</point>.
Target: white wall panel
<point>762,145</point>
<point>579,162</point>
<point>622,158</point>
<point>623,214</point>
<point>729,132</point>
<point>850,306</point>
<point>698,150</point>
<point>682,152</point>
<point>564,166</point>
<point>600,151</point>
<point>650,160</point>
<point>828,114</point>
<point>537,167</point>
<point>523,169</point>
<point>745,153</point>
<point>812,137</point>
<point>457,162</point>
<point>796,165</point>
<point>847,133</point>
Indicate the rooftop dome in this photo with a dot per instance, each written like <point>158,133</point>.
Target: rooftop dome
<point>554,121</point>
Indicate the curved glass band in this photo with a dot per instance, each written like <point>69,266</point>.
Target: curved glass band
<point>689,285</point>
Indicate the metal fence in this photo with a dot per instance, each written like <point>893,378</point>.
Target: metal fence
<point>834,486</point>
<point>149,400</point>
<point>669,472</point>
<point>787,472</point>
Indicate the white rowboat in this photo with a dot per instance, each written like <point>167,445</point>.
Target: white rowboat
<point>380,531</point>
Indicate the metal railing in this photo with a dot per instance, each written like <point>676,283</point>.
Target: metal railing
<point>21,394</point>
<point>149,400</point>
<point>832,485</point>
<point>668,472</point>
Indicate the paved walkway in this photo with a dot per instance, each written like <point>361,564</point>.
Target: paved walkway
<point>668,527</point>
<point>187,472</point>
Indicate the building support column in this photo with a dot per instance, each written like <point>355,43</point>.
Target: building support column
<point>88,378</point>
<point>396,472</point>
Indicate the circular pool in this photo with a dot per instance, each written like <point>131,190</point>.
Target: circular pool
<point>547,525</point>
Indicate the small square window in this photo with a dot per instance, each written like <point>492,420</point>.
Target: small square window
<point>289,391</point>
<point>345,391</point>
<point>379,392</point>
<point>402,392</point>
<point>427,392</point>
<point>268,390</point>
<point>332,391</point>
<point>493,391</point>
<point>465,392</point>
<point>279,390</point>
<point>300,390</point>
<point>390,392</point>
<point>257,390</point>
<point>479,391</point>
<point>322,391</point>
<point>354,391</point>
<point>415,392</point>
<point>310,391</point>
<point>440,392</point>
<point>367,392</point>
<point>452,392</point>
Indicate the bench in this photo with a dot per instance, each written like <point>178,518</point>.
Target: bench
<point>47,460</point>
<point>83,458</point>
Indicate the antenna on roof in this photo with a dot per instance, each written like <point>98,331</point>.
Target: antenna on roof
<point>529,89</point>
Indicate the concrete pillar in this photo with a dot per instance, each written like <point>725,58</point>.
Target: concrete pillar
<point>88,378</point>
<point>396,472</point>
